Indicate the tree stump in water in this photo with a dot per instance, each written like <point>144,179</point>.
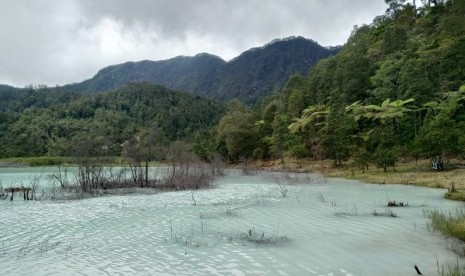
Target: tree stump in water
<point>12,190</point>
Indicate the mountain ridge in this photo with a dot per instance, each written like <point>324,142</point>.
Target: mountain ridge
<point>255,73</point>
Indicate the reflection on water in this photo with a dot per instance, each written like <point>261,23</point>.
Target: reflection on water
<point>244,226</point>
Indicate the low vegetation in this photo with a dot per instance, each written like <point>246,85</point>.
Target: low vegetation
<point>460,196</point>
<point>453,225</point>
<point>386,213</point>
<point>450,224</point>
<point>35,161</point>
<point>451,269</point>
<point>393,203</point>
<point>259,237</point>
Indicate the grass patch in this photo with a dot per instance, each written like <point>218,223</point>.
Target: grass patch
<point>450,269</point>
<point>449,224</point>
<point>260,238</point>
<point>44,161</point>
<point>393,203</point>
<point>34,161</point>
<point>387,213</point>
<point>457,195</point>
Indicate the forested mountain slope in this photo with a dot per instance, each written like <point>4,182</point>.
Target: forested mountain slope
<point>396,88</point>
<point>17,99</point>
<point>255,73</point>
<point>105,120</point>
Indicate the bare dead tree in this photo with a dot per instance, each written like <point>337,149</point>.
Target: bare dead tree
<point>133,157</point>
<point>33,185</point>
<point>185,171</point>
<point>283,181</point>
<point>192,195</point>
<point>216,165</point>
<point>3,195</point>
<point>90,158</point>
<point>61,177</point>
<point>116,179</point>
<point>140,151</point>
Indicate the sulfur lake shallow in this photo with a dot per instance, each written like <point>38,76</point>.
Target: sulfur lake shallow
<point>241,226</point>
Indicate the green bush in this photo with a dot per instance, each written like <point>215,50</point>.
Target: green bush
<point>299,151</point>
<point>459,196</point>
<point>385,158</point>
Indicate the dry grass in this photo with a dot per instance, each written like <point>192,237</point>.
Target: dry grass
<point>407,172</point>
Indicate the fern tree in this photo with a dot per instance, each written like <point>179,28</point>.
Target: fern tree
<point>385,135</point>
<point>442,133</point>
<point>310,126</point>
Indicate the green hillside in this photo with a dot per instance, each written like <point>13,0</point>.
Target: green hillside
<point>105,120</point>
<point>394,90</point>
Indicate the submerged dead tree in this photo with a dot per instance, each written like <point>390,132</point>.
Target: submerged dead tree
<point>90,157</point>
<point>185,170</point>
<point>144,148</point>
<point>133,156</point>
<point>61,177</point>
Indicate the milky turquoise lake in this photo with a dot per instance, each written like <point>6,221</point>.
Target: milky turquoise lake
<point>241,226</point>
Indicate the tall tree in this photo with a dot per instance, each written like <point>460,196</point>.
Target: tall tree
<point>238,132</point>
<point>386,137</point>
<point>443,130</point>
<point>310,125</point>
<point>336,136</point>
<point>394,5</point>
<point>144,148</point>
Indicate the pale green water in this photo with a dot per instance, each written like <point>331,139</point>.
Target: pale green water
<point>320,228</point>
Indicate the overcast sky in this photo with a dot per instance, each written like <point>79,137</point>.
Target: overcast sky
<point>55,42</point>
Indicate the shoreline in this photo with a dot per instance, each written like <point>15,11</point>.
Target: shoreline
<point>407,172</point>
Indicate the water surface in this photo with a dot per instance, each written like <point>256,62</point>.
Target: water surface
<point>242,226</point>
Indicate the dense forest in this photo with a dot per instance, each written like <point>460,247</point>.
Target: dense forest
<point>396,89</point>
<point>43,121</point>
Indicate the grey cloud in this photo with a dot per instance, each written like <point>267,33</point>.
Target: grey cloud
<point>57,42</point>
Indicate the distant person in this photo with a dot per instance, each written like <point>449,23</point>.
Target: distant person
<point>440,164</point>
<point>434,163</point>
